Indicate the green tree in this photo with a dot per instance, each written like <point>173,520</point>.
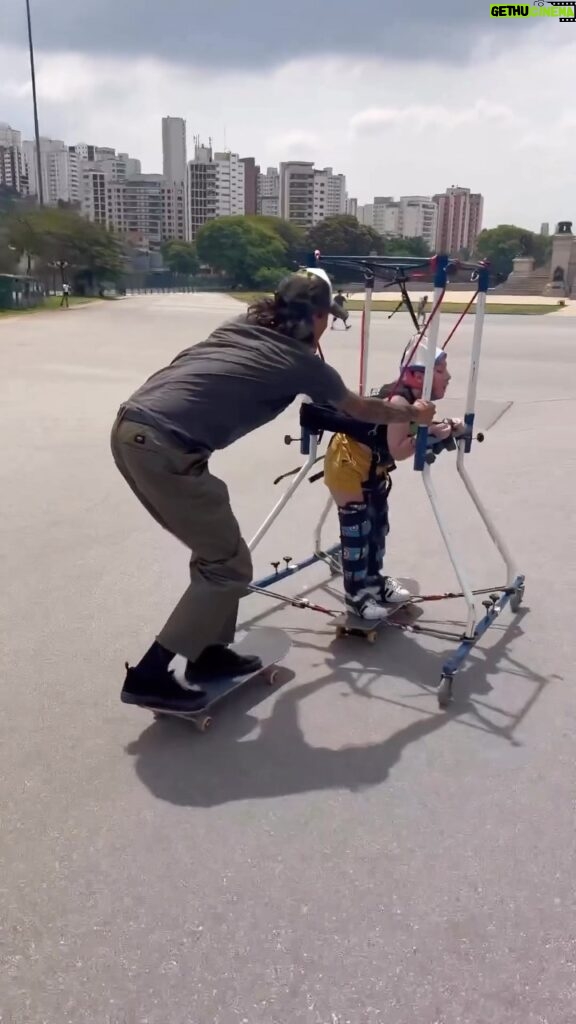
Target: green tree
<point>58,237</point>
<point>501,244</point>
<point>268,278</point>
<point>345,236</point>
<point>8,252</point>
<point>181,257</point>
<point>405,246</point>
<point>292,235</point>
<point>240,247</point>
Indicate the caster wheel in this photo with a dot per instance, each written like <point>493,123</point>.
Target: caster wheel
<point>445,691</point>
<point>371,638</point>
<point>340,633</point>
<point>516,600</point>
<point>203,724</point>
<point>271,678</point>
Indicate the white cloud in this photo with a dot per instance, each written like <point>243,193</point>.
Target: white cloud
<point>498,126</point>
<point>418,117</point>
<point>295,145</point>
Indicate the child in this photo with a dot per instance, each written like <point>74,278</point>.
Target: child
<point>357,473</point>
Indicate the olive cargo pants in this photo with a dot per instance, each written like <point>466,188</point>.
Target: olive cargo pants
<point>178,490</point>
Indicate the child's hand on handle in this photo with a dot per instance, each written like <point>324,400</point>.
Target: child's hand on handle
<point>423,412</point>
<point>442,431</point>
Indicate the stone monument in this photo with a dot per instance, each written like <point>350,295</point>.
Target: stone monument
<point>563,262</point>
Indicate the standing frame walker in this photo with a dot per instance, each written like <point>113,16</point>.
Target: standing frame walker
<point>395,271</point>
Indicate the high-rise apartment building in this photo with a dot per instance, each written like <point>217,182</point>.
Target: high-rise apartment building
<point>365,214</point>
<point>351,206</point>
<point>418,219</point>
<point>174,149</point>
<point>408,217</point>
<point>230,186</point>
<point>297,192</point>
<point>60,170</point>
<point>269,189</point>
<point>139,209</point>
<point>476,216</point>
<point>174,211</point>
<point>94,202</point>
<point>120,167</point>
<point>251,185</point>
<point>329,194</point>
<point>202,186</point>
<point>459,219</point>
<point>386,215</point>
<point>12,169</point>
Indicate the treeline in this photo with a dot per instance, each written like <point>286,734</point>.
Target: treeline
<point>248,251</point>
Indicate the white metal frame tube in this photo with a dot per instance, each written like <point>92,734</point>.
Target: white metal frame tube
<point>475,354</point>
<point>432,334</point>
<point>461,576</point>
<point>460,573</point>
<point>463,445</point>
<point>302,474</point>
<point>318,531</point>
<point>365,337</point>
<point>511,571</point>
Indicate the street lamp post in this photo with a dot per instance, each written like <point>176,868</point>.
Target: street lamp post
<point>35,103</point>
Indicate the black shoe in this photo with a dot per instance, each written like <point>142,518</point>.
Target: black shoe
<point>161,692</point>
<point>219,662</point>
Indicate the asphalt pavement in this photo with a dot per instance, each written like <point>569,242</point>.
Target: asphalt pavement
<point>336,850</point>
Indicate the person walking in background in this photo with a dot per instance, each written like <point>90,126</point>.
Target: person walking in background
<point>339,311</point>
<point>422,305</point>
<point>65,300</point>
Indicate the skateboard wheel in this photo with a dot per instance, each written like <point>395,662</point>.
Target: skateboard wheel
<point>445,691</point>
<point>203,723</point>
<point>272,677</point>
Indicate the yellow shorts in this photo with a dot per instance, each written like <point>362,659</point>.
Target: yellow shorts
<point>347,464</point>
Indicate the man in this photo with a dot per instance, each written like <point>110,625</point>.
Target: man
<point>245,374</point>
<point>422,305</point>
<point>65,300</point>
<point>339,311</point>
<point>357,471</point>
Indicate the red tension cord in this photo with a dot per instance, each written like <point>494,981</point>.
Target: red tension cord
<point>459,321</point>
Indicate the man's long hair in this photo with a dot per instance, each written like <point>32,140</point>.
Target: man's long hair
<point>293,317</point>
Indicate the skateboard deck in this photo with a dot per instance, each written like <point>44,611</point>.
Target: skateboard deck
<point>269,644</point>
<point>352,625</point>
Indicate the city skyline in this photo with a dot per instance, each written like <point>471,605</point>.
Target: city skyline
<point>110,189</point>
<point>408,123</point>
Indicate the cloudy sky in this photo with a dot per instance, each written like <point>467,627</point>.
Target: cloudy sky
<point>403,98</point>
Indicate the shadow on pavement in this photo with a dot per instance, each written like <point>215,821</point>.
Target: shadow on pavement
<point>230,764</point>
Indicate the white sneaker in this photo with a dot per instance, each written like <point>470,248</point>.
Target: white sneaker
<point>370,610</point>
<point>393,592</point>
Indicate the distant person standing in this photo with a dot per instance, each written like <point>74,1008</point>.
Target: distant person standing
<point>422,305</point>
<point>65,300</point>
<point>339,311</point>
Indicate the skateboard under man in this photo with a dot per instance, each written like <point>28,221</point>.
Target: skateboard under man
<point>269,644</point>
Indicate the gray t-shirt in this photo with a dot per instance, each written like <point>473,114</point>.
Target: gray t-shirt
<point>240,378</point>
